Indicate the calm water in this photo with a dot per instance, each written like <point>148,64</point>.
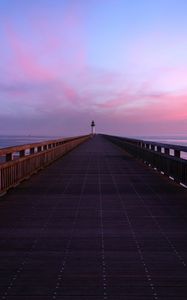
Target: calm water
<point>175,140</point>
<point>8,141</point>
<point>13,140</point>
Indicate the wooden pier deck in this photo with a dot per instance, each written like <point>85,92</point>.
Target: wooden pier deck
<point>94,225</point>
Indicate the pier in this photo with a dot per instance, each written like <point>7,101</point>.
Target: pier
<point>99,218</point>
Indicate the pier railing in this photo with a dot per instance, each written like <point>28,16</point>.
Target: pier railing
<point>20,162</point>
<point>168,159</point>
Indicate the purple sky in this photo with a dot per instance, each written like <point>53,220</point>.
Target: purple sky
<point>121,63</point>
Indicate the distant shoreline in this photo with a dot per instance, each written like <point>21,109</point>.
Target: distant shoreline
<point>12,140</point>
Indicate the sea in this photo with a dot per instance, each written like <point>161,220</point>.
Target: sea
<point>15,140</point>
<point>180,140</point>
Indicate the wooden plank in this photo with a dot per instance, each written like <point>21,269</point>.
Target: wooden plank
<point>29,164</point>
<point>94,225</point>
<point>172,166</point>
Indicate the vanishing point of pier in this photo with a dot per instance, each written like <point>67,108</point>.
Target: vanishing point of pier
<point>103,222</point>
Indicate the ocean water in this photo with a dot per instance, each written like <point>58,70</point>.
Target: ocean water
<point>180,140</point>
<point>15,140</point>
<point>175,140</point>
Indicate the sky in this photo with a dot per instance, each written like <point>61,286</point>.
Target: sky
<point>121,63</point>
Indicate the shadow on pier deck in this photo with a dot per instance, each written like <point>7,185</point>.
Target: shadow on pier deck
<point>95,225</point>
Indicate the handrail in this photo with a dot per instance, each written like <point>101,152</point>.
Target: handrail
<point>31,158</point>
<point>9,151</point>
<point>157,155</point>
<point>162,145</point>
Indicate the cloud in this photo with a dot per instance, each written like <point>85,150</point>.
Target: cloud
<point>49,81</point>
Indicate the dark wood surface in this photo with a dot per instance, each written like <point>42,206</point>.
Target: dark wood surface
<point>95,225</point>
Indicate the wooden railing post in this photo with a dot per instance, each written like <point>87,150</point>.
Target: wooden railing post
<point>31,151</point>
<point>0,181</point>
<point>177,153</point>
<point>173,166</point>
<point>22,153</point>
<point>14,171</point>
<point>158,149</point>
<point>153,147</point>
<point>9,156</point>
<point>147,146</point>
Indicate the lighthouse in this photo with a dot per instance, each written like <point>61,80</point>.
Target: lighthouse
<point>93,128</point>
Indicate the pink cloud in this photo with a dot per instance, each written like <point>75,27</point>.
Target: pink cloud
<point>35,77</point>
<point>24,60</point>
<point>119,100</point>
<point>55,85</point>
<point>166,108</point>
<point>51,50</point>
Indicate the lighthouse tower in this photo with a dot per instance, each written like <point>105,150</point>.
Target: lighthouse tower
<point>93,128</point>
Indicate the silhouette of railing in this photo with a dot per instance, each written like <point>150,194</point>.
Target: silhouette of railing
<point>165,158</point>
<point>20,162</point>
